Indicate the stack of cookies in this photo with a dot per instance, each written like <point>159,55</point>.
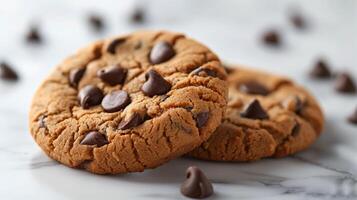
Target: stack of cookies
<point>134,102</point>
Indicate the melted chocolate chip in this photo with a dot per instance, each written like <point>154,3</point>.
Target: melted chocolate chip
<point>155,84</point>
<point>133,121</point>
<point>271,38</point>
<point>320,70</point>
<point>253,87</point>
<point>113,75</point>
<point>204,72</point>
<point>7,73</point>
<point>345,84</point>
<point>115,101</point>
<point>96,22</point>
<point>33,35</point>
<point>353,117</point>
<point>196,184</point>
<point>296,129</point>
<point>90,96</point>
<point>161,52</point>
<point>254,111</point>
<point>113,45</point>
<point>94,138</point>
<point>75,75</point>
<point>201,119</point>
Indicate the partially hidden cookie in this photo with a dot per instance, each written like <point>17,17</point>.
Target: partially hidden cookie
<point>129,103</point>
<point>267,116</point>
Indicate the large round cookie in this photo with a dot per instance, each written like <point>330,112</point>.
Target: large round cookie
<point>267,116</point>
<point>130,103</point>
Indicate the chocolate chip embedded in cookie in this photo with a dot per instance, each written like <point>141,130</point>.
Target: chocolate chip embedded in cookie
<point>267,116</point>
<point>130,103</point>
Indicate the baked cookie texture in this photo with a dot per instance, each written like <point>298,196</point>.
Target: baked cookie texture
<point>129,103</point>
<point>267,116</point>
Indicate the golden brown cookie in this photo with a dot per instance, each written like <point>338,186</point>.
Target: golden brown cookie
<point>129,103</point>
<point>267,116</point>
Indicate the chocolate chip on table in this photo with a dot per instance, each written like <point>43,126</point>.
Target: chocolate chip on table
<point>298,21</point>
<point>113,75</point>
<point>201,119</point>
<point>7,73</point>
<point>90,96</point>
<point>94,138</point>
<point>113,45</point>
<point>321,70</point>
<point>204,72</point>
<point>133,121</point>
<point>252,87</point>
<point>161,52</point>
<point>155,84</point>
<point>254,111</point>
<point>137,16</point>
<point>345,84</point>
<point>33,35</point>
<point>96,22</point>
<point>353,117</point>
<point>115,101</point>
<point>271,38</point>
<point>75,75</point>
<point>196,184</point>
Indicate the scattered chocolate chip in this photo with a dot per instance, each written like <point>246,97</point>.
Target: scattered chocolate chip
<point>204,72</point>
<point>196,184</point>
<point>113,75</point>
<point>115,101</point>
<point>96,22</point>
<point>41,121</point>
<point>137,16</point>
<point>345,84</point>
<point>353,117</point>
<point>133,121</point>
<point>320,70</point>
<point>298,21</point>
<point>113,45</point>
<point>271,38</point>
<point>201,119</point>
<point>33,35</point>
<point>94,138</point>
<point>253,87</point>
<point>161,52</point>
<point>296,129</point>
<point>155,84</point>
<point>7,73</point>
<point>75,75</point>
<point>90,96</point>
<point>254,111</point>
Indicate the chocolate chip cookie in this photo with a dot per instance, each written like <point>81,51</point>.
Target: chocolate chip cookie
<point>130,103</point>
<point>267,116</point>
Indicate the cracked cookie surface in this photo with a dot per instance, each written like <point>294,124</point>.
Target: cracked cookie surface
<point>267,116</point>
<point>129,103</point>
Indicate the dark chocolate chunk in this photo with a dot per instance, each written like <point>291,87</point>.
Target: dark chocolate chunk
<point>90,96</point>
<point>94,138</point>
<point>196,184</point>
<point>113,45</point>
<point>96,22</point>
<point>75,75</point>
<point>320,70</point>
<point>133,121</point>
<point>295,131</point>
<point>115,101</point>
<point>204,72</point>
<point>201,119</point>
<point>137,16</point>
<point>345,84</point>
<point>7,73</point>
<point>253,87</point>
<point>155,84</point>
<point>33,35</point>
<point>353,117</point>
<point>161,52</point>
<point>113,75</point>
<point>271,38</point>
<point>254,111</point>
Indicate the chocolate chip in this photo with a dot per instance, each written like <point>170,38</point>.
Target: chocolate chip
<point>271,38</point>
<point>96,22</point>
<point>353,117</point>
<point>201,119</point>
<point>137,16</point>
<point>133,121</point>
<point>345,84</point>
<point>298,21</point>
<point>254,111</point>
<point>115,101</point>
<point>113,45</point>
<point>94,138</point>
<point>253,87</point>
<point>204,72</point>
<point>113,75</point>
<point>75,75</point>
<point>294,104</point>
<point>33,35</point>
<point>161,52</point>
<point>7,73</point>
<point>296,129</point>
<point>155,84</point>
<point>90,96</point>
<point>320,70</point>
<point>196,184</point>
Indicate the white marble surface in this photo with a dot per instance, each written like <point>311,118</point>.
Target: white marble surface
<point>328,170</point>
